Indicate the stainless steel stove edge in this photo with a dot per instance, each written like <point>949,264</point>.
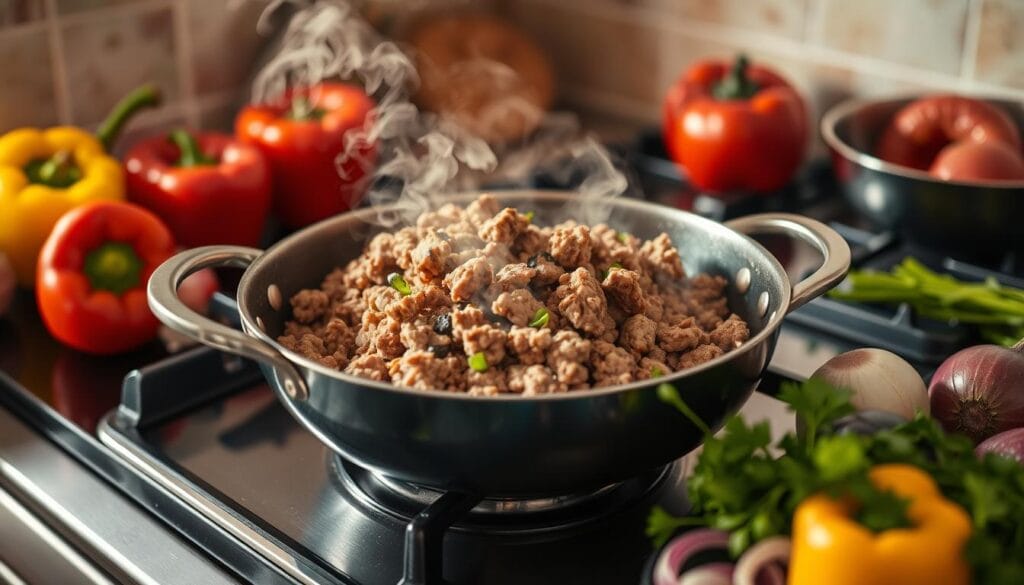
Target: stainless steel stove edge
<point>89,518</point>
<point>110,435</point>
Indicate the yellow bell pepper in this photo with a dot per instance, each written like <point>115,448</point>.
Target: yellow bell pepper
<point>45,173</point>
<point>830,547</point>
<point>29,207</point>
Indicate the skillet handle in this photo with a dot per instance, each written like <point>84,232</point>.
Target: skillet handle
<point>162,291</point>
<point>834,249</point>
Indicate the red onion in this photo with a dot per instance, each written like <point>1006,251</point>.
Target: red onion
<point>679,550</point>
<point>759,561</point>
<point>709,574</point>
<point>979,391</point>
<point>1009,443</point>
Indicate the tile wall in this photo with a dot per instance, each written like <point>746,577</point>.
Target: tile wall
<point>67,61</point>
<point>619,56</point>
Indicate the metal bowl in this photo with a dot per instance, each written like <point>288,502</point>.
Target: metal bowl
<point>508,445</point>
<point>974,216</point>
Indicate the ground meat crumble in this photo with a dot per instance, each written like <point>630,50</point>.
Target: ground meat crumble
<point>492,303</point>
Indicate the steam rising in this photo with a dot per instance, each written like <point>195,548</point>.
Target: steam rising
<point>421,155</point>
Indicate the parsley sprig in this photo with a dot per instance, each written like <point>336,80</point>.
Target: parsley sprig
<point>750,487</point>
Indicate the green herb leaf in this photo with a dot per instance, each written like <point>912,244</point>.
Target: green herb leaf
<point>817,403</point>
<point>668,393</point>
<point>540,318</point>
<point>840,457</point>
<point>879,510</point>
<point>661,525</point>
<point>529,215</point>
<point>478,362</point>
<point>656,372</point>
<point>622,237</point>
<point>398,283</point>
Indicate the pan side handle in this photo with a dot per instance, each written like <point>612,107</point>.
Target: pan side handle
<point>162,292</point>
<point>833,248</point>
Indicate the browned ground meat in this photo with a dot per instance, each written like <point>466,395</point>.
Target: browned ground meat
<point>615,308</point>
<point>624,286</point>
<point>581,301</point>
<point>570,246</point>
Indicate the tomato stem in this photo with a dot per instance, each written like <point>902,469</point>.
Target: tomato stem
<point>736,85</point>
<point>114,267</point>
<point>145,96</point>
<point>191,155</point>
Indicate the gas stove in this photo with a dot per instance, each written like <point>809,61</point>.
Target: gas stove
<point>256,474</point>
<point>216,476</point>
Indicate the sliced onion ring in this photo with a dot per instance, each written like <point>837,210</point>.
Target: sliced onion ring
<point>759,559</point>
<point>709,574</point>
<point>681,548</point>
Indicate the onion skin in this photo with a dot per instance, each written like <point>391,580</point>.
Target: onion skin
<point>710,574</point>
<point>678,550</point>
<point>1007,443</point>
<point>879,380</point>
<point>979,391</point>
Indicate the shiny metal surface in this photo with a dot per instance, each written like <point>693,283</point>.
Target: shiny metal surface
<point>425,496</point>
<point>248,465</point>
<point>506,446</point>
<point>31,552</point>
<point>124,541</point>
<point>950,215</point>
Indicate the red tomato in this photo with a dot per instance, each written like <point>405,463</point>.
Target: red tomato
<point>971,161</point>
<point>921,129</point>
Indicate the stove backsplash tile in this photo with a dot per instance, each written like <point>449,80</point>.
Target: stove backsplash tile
<point>785,18</point>
<point>613,56</point>
<point>926,34</point>
<point>14,12</point>
<point>68,61</point>
<point>1000,55</point>
<point>831,49</point>
<point>223,43</point>
<point>26,78</point>
<point>136,47</point>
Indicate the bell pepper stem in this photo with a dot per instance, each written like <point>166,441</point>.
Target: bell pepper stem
<point>114,267</point>
<point>191,155</point>
<point>145,96</point>
<point>736,85</point>
<point>302,109</point>
<point>58,171</point>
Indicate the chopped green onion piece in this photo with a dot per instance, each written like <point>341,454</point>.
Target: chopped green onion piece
<point>656,372</point>
<point>540,318</point>
<point>398,283</point>
<point>529,215</point>
<point>622,237</point>
<point>478,362</point>
<point>614,266</point>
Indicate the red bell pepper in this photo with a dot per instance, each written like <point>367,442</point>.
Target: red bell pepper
<point>92,274</point>
<point>302,136</point>
<point>743,128</point>
<point>209,188</point>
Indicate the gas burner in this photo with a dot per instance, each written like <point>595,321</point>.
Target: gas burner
<point>405,500</point>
